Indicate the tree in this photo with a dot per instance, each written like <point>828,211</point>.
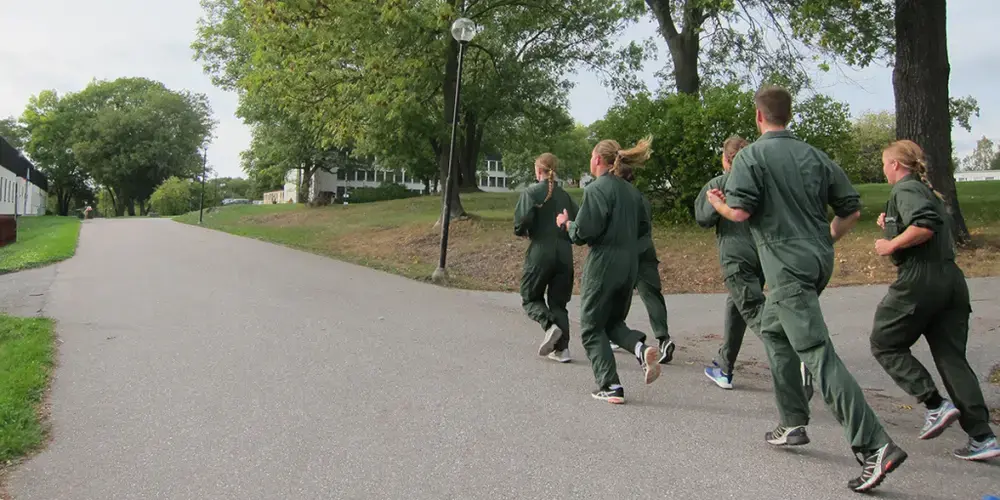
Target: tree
<point>388,72</point>
<point>826,124</point>
<point>920,84</point>
<point>173,197</point>
<point>14,132</point>
<point>50,122</point>
<point>131,134</point>
<point>984,157</point>
<point>870,134</point>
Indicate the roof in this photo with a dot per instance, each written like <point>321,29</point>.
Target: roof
<point>13,160</point>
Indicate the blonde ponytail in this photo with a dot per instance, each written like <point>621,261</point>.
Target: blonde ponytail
<point>911,156</point>
<point>624,161</point>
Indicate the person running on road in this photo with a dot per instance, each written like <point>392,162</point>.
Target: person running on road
<point>610,221</point>
<point>929,298</point>
<point>783,186</point>
<point>742,274</point>
<point>548,262</point>
<point>648,285</point>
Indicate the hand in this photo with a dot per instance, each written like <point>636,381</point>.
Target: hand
<point>562,218</point>
<point>884,247</point>
<point>881,220</point>
<point>716,196</point>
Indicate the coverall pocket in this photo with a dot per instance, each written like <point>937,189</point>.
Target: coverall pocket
<point>800,316</point>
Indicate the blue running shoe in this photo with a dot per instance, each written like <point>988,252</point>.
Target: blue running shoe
<point>979,450</point>
<point>721,378</point>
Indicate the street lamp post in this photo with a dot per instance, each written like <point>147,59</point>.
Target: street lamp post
<point>204,172</point>
<point>463,30</point>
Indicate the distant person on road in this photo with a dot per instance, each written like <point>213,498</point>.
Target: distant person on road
<point>610,222</point>
<point>929,298</point>
<point>741,272</point>
<point>782,186</point>
<point>648,283</point>
<point>548,262</point>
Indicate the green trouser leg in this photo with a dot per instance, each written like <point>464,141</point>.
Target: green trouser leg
<point>603,308</point>
<point>557,279</point>
<point>898,325</point>
<point>743,307</point>
<point>793,328</point>
<point>651,292</point>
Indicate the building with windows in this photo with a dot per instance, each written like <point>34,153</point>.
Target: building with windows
<point>23,188</point>
<point>493,177</point>
<point>980,175</point>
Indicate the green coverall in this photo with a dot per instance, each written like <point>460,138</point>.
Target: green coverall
<point>610,221</point>
<point>785,185</point>
<point>929,298</point>
<point>548,262</point>
<point>741,272</point>
<point>649,286</point>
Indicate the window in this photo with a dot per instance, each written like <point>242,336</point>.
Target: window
<point>482,181</point>
<point>991,178</point>
<point>341,174</point>
<point>493,182</point>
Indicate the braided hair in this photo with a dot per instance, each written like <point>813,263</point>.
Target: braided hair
<point>911,157</point>
<point>549,164</point>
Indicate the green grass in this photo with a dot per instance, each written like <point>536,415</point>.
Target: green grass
<point>40,241</point>
<point>398,236</point>
<point>25,363</point>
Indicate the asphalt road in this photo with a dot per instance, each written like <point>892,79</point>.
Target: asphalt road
<point>199,365</point>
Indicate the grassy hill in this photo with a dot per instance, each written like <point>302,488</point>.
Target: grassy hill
<point>398,236</point>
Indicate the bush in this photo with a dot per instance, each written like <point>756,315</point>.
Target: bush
<point>173,197</point>
<point>384,192</point>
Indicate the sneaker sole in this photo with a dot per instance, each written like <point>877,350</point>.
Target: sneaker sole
<point>720,384</point>
<point>945,422</point>
<point>557,360</point>
<point>890,466</point>
<point>551,337</point>
<point>980,456</point>
<point>788,441</point>
<point>613,400</point>
<point>652,368</point>
<point>667,355</point>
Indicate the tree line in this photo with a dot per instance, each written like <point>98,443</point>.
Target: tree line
<point>117,140</point>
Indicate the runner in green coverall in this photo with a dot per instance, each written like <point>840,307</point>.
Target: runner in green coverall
<point>782,186</point>
<point>930,298</point>
<point>611,220</point>
<point>742,274</point>
<point>548,262</point>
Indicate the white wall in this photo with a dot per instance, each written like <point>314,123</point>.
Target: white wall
<point>982,175</point>
<point>14,200</point>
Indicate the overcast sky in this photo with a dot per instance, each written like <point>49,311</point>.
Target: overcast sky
<point>63,44</point>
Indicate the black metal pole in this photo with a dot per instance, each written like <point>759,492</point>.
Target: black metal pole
<point>204,170</point>
<point>450,183</point>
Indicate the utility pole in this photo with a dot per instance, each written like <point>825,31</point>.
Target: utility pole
<point>204,172</point>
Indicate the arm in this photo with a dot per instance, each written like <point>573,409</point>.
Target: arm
<point>645,217</point>
<point>743,190</point>
<point>524,214</point>
<point>918,214</point>
<point>844,199</point>
<point>913,236</point>
<point>591,221</point>
<point>704,213</point>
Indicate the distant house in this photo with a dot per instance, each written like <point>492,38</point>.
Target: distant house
<point>980,175</point>
<point>23,188</point>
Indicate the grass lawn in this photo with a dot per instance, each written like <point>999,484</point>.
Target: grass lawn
<point>25,363</point>
<point>483,253</point>
<point>40,241</point>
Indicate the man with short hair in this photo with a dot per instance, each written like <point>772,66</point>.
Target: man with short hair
<point>782,186</point>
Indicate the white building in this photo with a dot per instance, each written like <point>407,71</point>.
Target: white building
<point>23,188</point>
<point>981,175</point>
<point>493,178</point>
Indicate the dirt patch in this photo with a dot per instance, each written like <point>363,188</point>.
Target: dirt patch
<point>995,375</point>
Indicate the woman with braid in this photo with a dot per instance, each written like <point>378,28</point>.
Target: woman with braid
<point>611,220</point>
<point>548,262</point>
<point>929,298</point>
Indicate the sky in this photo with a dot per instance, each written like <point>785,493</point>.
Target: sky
<point>64,44</point>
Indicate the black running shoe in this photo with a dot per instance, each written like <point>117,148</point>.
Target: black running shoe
<point>666,351</point>
<point>614,396</point>
<point>875,466</point>
<point>787,436</point>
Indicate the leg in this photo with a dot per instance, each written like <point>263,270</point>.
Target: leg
<point>896,328</point>
<point>594,305</point>
<point>560,291</point>
<point>533,282</point>
<point>732,337</point>
<point>800,315</point>
<point>793,408</point>
<point>947,336</point>
<point>651,292</point>
<point>743,309</point>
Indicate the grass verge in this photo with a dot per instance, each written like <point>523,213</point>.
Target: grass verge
<point>399,237</point>
<point>26,354</point>
<point>40,241</point>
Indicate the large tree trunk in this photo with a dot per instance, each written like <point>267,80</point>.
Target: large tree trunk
<point>450,87</point>
<point>131,207</point>
<point>471,143</point>
<point>684,45</point>
<point>306,184</point>
<point>920,84</point>
<point>62,202</point>
<point>142,207</point>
